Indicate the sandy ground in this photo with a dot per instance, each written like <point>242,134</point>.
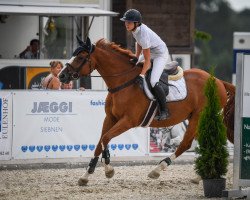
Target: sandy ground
<point>129,182</point>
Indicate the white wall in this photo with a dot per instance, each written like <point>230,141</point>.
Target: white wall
<point>16,33</point>
<point>49,2</point>
<point>100,29</point>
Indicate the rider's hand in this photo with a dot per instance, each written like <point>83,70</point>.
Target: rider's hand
<point>139,80</point>
<point>133,60</point>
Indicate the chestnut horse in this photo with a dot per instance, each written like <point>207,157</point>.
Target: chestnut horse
<point>126,103</point>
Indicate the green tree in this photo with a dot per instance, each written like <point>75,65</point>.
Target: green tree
<point>212,160</point>
<point>217,18</point>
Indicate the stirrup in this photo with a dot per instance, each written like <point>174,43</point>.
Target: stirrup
<point>162,116</point>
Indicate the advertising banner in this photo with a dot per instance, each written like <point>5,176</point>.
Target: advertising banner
<point>5,125</point>
<point>60,124</point>
<point>245,123</point>
<point>246,87</point>
<point>35,75</point>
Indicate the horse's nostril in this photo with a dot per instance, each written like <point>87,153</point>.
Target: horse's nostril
<point>63,78</point>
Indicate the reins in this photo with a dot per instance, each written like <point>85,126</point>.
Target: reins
<point>124,85</point>
<point>89,48</point>
<point>118,74</point>
<point>111,90</point>
<point>88,59</point>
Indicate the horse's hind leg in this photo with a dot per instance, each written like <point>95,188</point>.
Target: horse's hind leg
<point>184,145</point>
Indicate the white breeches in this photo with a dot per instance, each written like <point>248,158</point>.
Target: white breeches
<point>159,63</point>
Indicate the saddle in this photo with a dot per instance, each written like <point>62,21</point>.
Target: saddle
<point>176,92</point>
<point>175,73</point>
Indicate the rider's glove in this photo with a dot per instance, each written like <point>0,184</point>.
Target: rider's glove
<point>134,60</point>
<point>139,80</point>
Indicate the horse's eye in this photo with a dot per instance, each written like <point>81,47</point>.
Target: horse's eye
<point>80,58</point>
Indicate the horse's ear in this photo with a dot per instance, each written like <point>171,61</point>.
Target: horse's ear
<point>89,45</point>
<point>80,42</point>
<point>88,42</point>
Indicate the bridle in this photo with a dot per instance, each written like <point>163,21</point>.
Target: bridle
<point>76,71</point>
<point>73,73</point>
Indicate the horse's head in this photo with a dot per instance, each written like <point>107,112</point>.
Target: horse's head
<point>80,63</point>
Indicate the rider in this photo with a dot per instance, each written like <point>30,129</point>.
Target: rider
<point>149,46</point>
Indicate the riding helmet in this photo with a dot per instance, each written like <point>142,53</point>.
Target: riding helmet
<point>132,15</point>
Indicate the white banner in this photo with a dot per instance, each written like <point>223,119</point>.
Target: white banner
<point>5,125</point>
<point>246,87</point>
<point>59,124</point>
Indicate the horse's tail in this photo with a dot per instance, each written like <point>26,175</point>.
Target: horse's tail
<point>229,110</point>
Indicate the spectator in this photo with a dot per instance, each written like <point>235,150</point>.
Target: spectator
<point>52,81</point>
<point>67,86</point>
<point>32,51</point>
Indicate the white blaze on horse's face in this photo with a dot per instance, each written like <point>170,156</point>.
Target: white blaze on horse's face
<point>62,70</point>
<point>65,66</point>
<point>71,60</point>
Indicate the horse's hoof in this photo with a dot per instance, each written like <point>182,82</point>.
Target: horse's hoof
<point>83,181</point>
<point>110,173</point>
<point>154,175</point>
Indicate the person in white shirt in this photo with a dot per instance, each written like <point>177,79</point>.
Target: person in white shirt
<point>149,46</point>
<point>32,51</point>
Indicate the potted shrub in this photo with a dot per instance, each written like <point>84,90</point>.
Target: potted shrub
<point>212,161</point>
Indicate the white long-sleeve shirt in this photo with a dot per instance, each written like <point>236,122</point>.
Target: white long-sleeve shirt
<point>147,38</point>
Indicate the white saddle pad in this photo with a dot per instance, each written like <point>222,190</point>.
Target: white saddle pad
<point>177,90</point>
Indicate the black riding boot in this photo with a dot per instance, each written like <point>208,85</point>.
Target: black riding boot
<point>161,98</point>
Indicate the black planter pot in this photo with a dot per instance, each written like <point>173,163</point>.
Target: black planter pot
<point>214,187</point>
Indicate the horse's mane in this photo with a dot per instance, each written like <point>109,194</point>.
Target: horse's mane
<point>113,47</point>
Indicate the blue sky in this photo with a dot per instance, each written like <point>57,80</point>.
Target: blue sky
<point>239,5</point>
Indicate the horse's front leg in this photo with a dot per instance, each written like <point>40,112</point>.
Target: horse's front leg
<point>184,145</point>
<point>120,127</point>
<point>107,124</point>
<point>109,170</point>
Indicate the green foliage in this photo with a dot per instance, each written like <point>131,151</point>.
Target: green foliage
<point>201,35</point>
<point>217,18</point>
<point>212,151</point>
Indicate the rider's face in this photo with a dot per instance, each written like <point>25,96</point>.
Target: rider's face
<point>129,25</point>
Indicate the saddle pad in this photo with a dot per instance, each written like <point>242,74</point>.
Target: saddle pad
<point>177,90</point>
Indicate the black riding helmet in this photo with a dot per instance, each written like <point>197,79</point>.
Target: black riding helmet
<point>132,15</point>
